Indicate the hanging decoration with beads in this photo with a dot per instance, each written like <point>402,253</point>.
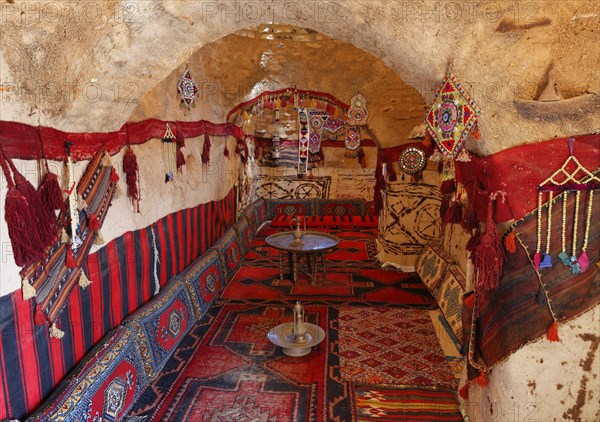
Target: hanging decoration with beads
<point>188,89</point>
<point>450,119</point>
<point>572,178</point>
<point>169,154</point>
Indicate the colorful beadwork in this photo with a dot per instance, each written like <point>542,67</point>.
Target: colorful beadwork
<point>303,141</point>
<point>352,138</point>
<point>188,89</point>
<point>412,160</point>
<point>357,113</point>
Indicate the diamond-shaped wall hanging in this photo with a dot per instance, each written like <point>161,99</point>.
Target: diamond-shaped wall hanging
<point>188,89</point>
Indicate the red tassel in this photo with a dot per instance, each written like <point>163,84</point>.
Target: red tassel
<point>444,206</point>
<point>40,317</point>
<point>70,260</point>
<point>93,222</point>
<point>180,140</point>
<point>392,176</point>
<point>114,176</point>
<point>51,193</point>
<point>464,391</point>
<point>475,134</point>
<point>180,159</point>
<point>448,187</point>
<point>473,241</point>
<point>509,243</point>
<point>470,301</point>
<point>130,167</point>
<point>469,221</point>
<point>361,158</point>
<point>481,379</point>
<point>206,150</point>
<point>537,259</point>
<point>427,141</point>
<point>454,213</point>
<point>488,255</point>
<point>226,151</point>
<point>553,333</point>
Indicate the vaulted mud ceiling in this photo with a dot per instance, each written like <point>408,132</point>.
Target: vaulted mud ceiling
<point>90,66</point>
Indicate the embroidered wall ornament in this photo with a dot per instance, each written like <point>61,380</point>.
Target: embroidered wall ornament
<point>317,119</point>
<point>303,141</point>
<point>412,160</point>
<point>188,89</point>
<point>169,154</point>
<point>352,141</point>
<point>451,117</point>
<point>357,113</point>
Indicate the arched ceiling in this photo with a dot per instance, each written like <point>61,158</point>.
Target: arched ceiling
<point>85,66</point>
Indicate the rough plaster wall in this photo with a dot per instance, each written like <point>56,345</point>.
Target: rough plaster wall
<point>546,381</point>
<point>198,184</point>
<point>501,50</point>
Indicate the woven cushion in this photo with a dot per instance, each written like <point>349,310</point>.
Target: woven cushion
<point>328,221</point>
<point>290,207</point>
<point>103,386</point>
<point>340,207</point>
<point>160,325</point>
<point>245,233</point>
<point>204,280</point>
<point>256,213</point>
<point>431,266</point>
<point>229,249</point>
<point>450,299</point>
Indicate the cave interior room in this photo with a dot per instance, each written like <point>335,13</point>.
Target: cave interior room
<point>299,211</point>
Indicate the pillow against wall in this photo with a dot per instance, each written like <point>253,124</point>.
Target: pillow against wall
<point>289,207</point>
<point>449,298</point>
<point>245,233</point>
<point>103,386</point>
<point>340,207</point>
<point>230,252</point>
<point>204,279</point>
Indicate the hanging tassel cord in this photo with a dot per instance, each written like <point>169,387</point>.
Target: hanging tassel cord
<point>131,169</point>
<point>583,258</point>
<point>563,234</point>
<point>206,149</point>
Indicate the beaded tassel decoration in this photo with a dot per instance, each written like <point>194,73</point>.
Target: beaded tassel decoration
<point>547,260</point>
<point>536,256</point>
<point>583,258</point>
<point>169,154</point>
<point>563,236</point>
<point>575,267</point>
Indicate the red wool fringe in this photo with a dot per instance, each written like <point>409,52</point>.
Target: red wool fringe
<point>180,140</point>
<point>448,187</point>
<point>392,176</point>
<point>481,379</point>
<point>464,391</point>
<point>444,206</point>
<point>469,220</point>
<point>360,154</point>
<point>473,241</point>
<point>470,301</point>
<point>70,260</point>
<point>93,222</point>
<point>454,213</point>
<point>180,159</point>
<point>51,193</point>
<point>114,176</point>
<point>510,243</point>
<point>206,150</point>
<point>488,255</point>
<point>553,333</point>
<point>131,169</point>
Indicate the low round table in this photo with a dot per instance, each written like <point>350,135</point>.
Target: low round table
<point>282,336</point>
<point>312,244</point>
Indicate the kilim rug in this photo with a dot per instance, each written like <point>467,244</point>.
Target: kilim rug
<point>227,370</point>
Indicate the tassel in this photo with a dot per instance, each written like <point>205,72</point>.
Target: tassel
<point>536,260</point>
<point>546,261</point>
<point>469,220</point>
<point>584,262</point>
<point>470,301</point>
<point>93,222</point>
<point>180,159</point>
<point>444,206</point>
<point>427,140</point>
<point>454,213</point>
<point>475,134</point>
<point>226,151</point>
<point>27,289</point>
<point>51,193</point>
<point>464,156</point>
<point>114,176</point>
<point>180,140</point>
<point>99,240</point>
<point>106,161</point>
<point>552,334</point>
<point>488,255</point>
<point>69,259</point>
<point>206,150</point>
<point>56,332</point>
<point>448,187</point>
<point>564,258</point>
<point>40,316</point>
<point>64,236</point>
<point>509,242</point>
<point>481,379</point>
<point>392,176</point>
<point>575,268</point>
<point>473,241</point>
<point>360,154</point>
<point>464,391</point>
<point>84,281</point>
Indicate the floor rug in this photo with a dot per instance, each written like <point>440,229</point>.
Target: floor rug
<point>226,369</point>
<point>407,404</point>
<point>376,286</point>
<point>391,346</point>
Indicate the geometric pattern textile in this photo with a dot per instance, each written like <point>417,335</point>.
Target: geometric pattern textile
<point>409,219</point>
<point>391,346</point>
<point>450,299</point>
<point>230,251</point>
<point>204,279</point>
<point>290,187</point>
<point>406,404</point>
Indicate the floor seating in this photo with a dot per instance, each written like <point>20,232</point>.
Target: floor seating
<point>113,374</point>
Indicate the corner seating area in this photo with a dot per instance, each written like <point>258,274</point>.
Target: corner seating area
<point>112,376</point>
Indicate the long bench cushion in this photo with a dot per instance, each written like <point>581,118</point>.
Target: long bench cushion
<point>450,299</point>
<point>103,386</point>
<point>230,252</point>
<point>245,234</point>
<point>290,207</point>
<point>160,325</point>
<point>348,221</point>
<point>256,213</point>
<point>204,279</point>
<point>340,207</point>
